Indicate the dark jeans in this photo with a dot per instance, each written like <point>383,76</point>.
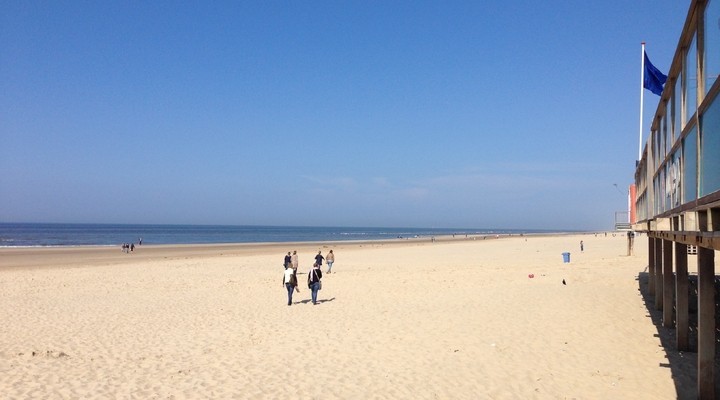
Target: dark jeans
<point>290,289</point>
<point>314,288</point>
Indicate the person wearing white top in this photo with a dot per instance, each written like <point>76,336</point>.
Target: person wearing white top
<point>290,282</point>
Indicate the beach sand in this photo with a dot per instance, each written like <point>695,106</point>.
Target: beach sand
<point>405,319</point>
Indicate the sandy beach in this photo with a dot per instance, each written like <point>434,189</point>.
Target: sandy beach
<point>406,319</point>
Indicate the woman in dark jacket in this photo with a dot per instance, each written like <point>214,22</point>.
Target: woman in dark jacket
<point>314,282</point>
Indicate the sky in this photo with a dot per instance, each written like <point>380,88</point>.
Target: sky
<point>447,114</point>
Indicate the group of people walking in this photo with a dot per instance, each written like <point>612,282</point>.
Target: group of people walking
<point>314,279</point>
<point>128,247</point>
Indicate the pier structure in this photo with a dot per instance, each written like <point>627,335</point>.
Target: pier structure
<point>677,190</point>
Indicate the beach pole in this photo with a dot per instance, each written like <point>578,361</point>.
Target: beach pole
<point>668,284</point>
<point>642,87</point>
<point>682,326</point>
<point>706,323</point>
<point>658,274</point>
<point>651,265</point>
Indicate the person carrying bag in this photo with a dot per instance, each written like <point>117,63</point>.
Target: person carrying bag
<point>291,283</point>
<point>314,281</point>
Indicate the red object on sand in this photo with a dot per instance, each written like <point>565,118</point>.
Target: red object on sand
<point>531,276</point>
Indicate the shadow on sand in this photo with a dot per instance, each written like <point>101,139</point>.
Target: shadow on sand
<point>682,364</point>
<point>320,301</point>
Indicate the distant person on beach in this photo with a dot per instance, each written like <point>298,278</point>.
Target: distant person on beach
<point>319,259</point>
<point>582,248</point>
<point>287,261</point>
<point>330,260</point>
<point>140,242</point>
<point>314,277</point>
<point>290,282</point>
<point>132,246</point>
<point>294,260</point>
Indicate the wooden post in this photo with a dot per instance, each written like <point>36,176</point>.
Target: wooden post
<point>682,326</point>
<point>668,284</point>
<point>631,243</point>
<point>658,274</point>
<point>651,265</point>
<point>706,323</point>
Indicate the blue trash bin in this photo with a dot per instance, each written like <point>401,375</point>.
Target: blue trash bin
<point>566,257</point>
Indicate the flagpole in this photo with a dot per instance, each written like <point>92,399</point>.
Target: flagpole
<point>642,84</point>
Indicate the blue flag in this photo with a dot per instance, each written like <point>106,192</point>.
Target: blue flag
<point>653,79</point>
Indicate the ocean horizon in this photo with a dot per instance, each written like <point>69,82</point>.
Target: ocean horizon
<point>83,234</point>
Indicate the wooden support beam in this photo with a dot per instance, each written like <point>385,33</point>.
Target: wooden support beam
<point>658,274</point>
<point>682,325</point>
<point>651,265</point>
<point>706,323</point>
<point>714,222</point>
<point>668,286</point>
<point>709,240</point>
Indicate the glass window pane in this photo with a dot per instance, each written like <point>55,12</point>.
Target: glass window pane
<point>712,43</point>
<point>676,98</point>
<point>691,81</point>
<point>656,150</point>
<point>666,136</point>
<point>689,191</point>
<point>674,179</point>
<point>668,117</point>
<point>658,190</point>
<point>710,150</point>
<point>667,186</point>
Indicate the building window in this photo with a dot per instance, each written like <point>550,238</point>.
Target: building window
<point>712,43</point>
<point>669,116</point>
<point>689,179</point>
<point>710,149</point>
<point>657,158</point>
<point>690,81</point>
<point>676,109</point>
<point>675,179</point>
<point>667,139</point>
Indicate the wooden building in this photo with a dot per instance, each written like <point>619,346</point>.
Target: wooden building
<point>677,201</point>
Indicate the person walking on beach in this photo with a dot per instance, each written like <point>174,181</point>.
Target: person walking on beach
<point>287,261</point>
<point>314,283</point>
<point>294,260</point>
<point>290,282</point>
<point>319,259</point>
<point>330,260</point>
<point>582,247</point>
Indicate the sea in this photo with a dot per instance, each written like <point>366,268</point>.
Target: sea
<point>56,234</point>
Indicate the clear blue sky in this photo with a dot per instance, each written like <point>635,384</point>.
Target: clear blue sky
<point>475,114</point>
